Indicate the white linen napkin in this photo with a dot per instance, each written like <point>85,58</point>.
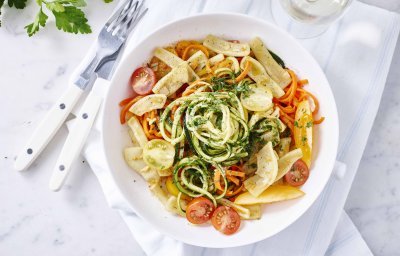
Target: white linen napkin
<point>355,54</point>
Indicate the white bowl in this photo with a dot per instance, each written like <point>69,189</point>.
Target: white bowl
<point>275,217</point>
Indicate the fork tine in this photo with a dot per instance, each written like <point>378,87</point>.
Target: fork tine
<point>137,13</point>
<point>118,13</point>
<point>124,32</point>
<point>132,19</point>
<point>132,24</point>
<point>122,17</point>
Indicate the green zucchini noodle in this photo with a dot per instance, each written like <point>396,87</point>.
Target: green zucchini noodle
<point>213,123</point>
<point>193,178</point>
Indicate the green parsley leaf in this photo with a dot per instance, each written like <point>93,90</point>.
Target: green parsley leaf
<point>19,4</point>
<point>68,16</point>
<point>40,20</point>
<point>76,3</point>
<point>1,5</point>
<point>277,59</point>
<point>309,124</point>
<point>199,122</point>
<point>55,6</point>
<point>72,20</point>
<point>221,84</point>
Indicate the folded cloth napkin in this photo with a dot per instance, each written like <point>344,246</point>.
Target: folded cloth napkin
<point>355,54</point>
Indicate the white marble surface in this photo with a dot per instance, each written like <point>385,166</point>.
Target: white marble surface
<point>374,200</point>
<point>77,220</point>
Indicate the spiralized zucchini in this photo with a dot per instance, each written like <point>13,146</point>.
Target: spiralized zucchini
<point>193,178</point>
<point>213,124</point>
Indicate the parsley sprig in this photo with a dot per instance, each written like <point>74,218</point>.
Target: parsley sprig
<point>223,84</point>
<point>67,13</point>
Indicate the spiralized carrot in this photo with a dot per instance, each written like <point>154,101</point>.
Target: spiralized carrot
<point>244,73</point>
<point>294,94</point>
<point>315,100</point>
<point>290,118</point>
<point>185,54</point>
<point>125,109</point>
<point>319,120</point>
<point>235,176</point>
<point>288,109</point>
<point>288,123</point>
<point>125,101</point>
<point>150,129</point>
<point>290,93</point>
<point>233,179</point>
<point>235,173</point>
<point>303,82</point>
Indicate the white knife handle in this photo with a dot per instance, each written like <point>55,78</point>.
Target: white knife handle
<point>48,127</point>
<point>76,137</point>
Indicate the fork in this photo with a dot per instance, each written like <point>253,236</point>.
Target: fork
<point>109,42</point>
<point>111,38</point>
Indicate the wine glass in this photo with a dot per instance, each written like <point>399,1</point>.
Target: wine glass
<point>307,18</point>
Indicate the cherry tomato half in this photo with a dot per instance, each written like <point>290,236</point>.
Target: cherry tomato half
<point>226,220</point>
<point>298,174</point>
<point>199,210</point>
<point>143,80</point>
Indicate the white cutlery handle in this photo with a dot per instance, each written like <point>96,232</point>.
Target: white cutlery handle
<point>77,137</point>
<point>48,127</point>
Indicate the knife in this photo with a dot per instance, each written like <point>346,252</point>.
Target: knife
<point>81,127</point>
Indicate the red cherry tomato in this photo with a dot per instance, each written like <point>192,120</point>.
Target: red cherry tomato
<point>226,220</point>
<point>298,174</point>
<point>143,80</point>
<point>199,210</point>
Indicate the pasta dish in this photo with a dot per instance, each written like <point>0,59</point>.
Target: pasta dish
<point>220,128</point>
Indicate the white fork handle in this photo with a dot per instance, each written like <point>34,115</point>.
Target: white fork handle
<point>77,136</point>
<point>48,127</point>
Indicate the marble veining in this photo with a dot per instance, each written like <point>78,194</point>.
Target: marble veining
<point>59,72</point>
<point>37,222</point>
<point>15,226</point>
